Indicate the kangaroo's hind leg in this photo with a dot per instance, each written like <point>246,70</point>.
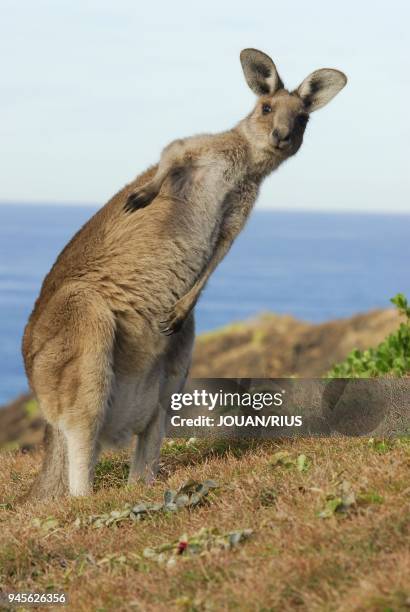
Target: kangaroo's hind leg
<point>177,362</point>
<point>168,378</point>
<point>82,450</point>
<point>149,424</point>
<point>72,376</point>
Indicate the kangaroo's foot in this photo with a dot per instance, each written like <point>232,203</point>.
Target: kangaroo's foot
<point>176,317</point>
<point>141,197</point>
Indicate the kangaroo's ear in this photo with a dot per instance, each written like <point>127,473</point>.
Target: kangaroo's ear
<point>320,87</point>
<point>260,72</point>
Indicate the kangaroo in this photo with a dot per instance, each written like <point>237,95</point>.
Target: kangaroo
<point>228,168</point>
<point>97,353</point>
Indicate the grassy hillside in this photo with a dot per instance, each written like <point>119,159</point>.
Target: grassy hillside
<point>308,524</point>
<point>273,345</point>
<point>330,531</point>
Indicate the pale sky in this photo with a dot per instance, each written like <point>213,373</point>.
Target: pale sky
<point>92,90</point>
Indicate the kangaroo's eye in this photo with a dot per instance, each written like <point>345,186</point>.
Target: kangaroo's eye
<point>266,108</point>
<point>302,120</point>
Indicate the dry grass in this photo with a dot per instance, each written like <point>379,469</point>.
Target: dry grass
<point>294,560</point>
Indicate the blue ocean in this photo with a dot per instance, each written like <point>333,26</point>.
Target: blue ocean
<point>315,266</point>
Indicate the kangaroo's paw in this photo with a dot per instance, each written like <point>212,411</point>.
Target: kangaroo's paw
<point>139,199</point>
<point>175,319</point>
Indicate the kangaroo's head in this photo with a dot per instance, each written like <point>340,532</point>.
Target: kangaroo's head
<point>276,125</point>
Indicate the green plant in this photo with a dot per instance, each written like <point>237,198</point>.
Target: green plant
<point>31,408</point>
<point>392,356</point>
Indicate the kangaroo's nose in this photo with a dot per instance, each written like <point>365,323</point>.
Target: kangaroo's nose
<point>281,138</point>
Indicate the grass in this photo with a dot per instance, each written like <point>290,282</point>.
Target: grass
<point>358,559</point>
<point>330,522</point>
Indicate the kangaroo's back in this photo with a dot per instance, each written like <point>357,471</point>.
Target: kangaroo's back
<point>140,263</point>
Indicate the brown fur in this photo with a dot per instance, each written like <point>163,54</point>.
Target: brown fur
<point>93,348</point>
<point>226,169</point>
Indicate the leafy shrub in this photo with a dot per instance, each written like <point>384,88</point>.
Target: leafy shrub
<point>392,356</point>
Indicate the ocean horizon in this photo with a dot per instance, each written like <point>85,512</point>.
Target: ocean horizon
<point>313,265</point>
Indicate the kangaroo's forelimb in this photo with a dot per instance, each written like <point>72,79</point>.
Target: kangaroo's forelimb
<point>171,159</point>
<point>237,208</point>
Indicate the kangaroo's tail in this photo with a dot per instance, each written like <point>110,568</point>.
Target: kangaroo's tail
<point>52,480</point>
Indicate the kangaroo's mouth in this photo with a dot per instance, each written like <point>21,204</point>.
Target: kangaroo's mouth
<point>280,151</point>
